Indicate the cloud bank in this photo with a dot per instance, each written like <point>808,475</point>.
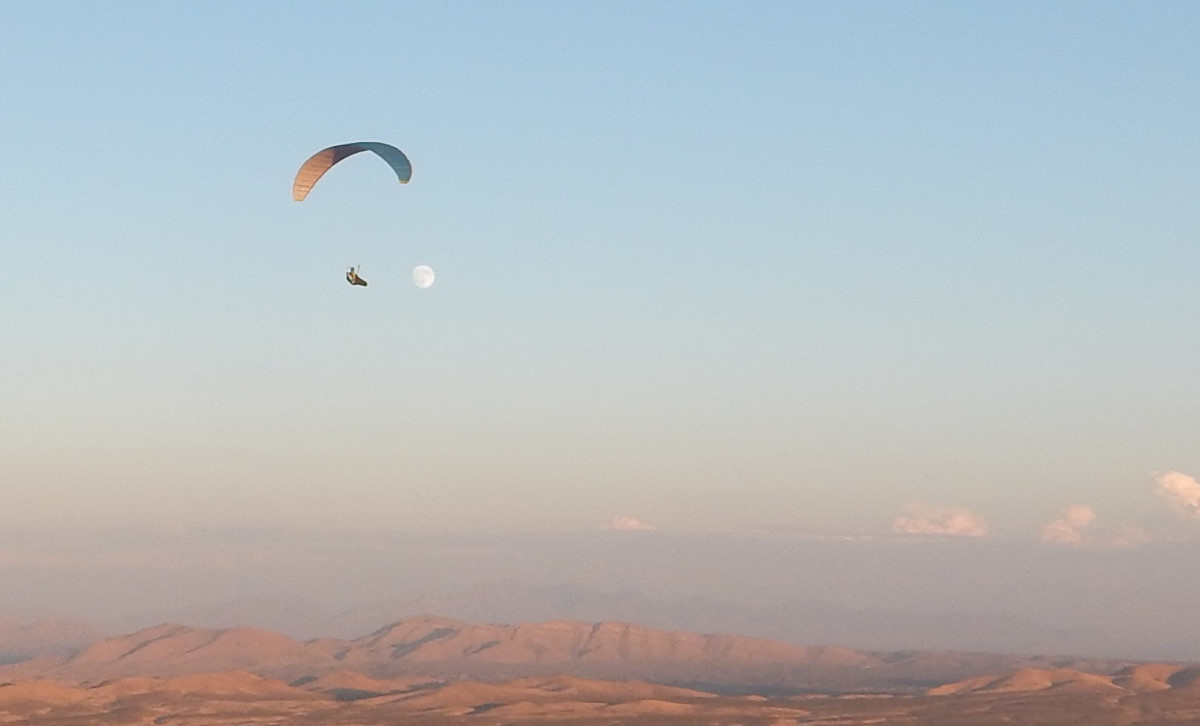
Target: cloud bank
<point>1068,528</point>
<point>626,523</point>
<point>1181,491</point>
<point>924,519</point>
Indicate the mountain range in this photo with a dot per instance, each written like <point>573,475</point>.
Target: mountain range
<point>436,670</point>
<point>442,648</point>
<point>801,622</point>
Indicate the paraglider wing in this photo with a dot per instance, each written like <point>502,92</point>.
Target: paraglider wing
<point>323,161</point>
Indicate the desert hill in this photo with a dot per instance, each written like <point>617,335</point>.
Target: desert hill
<point>239,697</point>
<point>1031,679</point>
<point>193,648</point>
<point>433,671</point>
<point>244,698</point>
<point>439,647</point>
<point>430,639</point>
<point>137,699</point>
<point>1146,676</point>
<point>1132,679</point>
<point>429,648</point>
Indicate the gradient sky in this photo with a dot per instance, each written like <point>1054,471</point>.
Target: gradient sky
<point>716,265</point>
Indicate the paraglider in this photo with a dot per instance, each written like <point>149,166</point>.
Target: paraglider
<point>323,161</point>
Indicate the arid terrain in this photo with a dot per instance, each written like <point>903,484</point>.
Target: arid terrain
<point>429,670</point>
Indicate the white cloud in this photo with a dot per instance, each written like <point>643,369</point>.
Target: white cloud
<point>1068,528</point>
<point>923,519</point>
<point>1181,491</point>
<point>626,523</point>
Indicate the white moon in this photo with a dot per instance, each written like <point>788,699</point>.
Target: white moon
<point>423,276</point>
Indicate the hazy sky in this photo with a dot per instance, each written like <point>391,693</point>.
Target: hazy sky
<point>884,592</point>
<point>716,265</point>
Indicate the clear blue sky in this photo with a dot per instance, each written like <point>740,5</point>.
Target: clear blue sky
<point>710,265</point>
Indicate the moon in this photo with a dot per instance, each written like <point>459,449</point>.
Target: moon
<point>422,276</point>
